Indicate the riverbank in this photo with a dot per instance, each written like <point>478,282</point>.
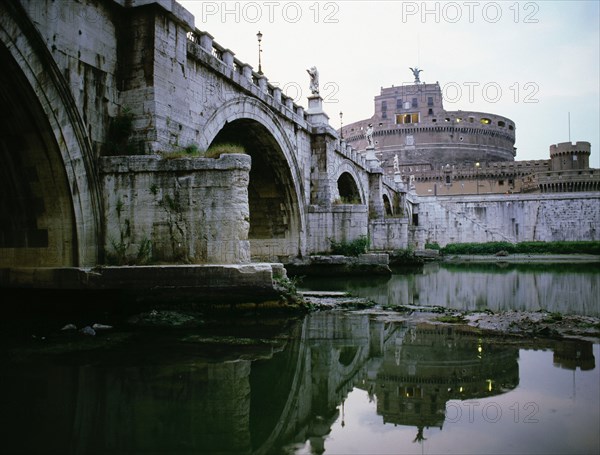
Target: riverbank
<point>524,258</point>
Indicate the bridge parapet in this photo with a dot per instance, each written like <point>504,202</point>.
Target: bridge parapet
<point>348,152</point>
<point>201,46</point>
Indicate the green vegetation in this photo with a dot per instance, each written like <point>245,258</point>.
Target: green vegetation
<point>193,151</point>
<point>432,246</point>
<point>120,247</point>
<point>288,292</point>
<point>405,258</point>
<point>352,248</point>
<point>347,200</point>
<point>553,317</point>
<point>506,248</point>
<point>215,151</point>
<point>451,319</point>
<point>120,129</point>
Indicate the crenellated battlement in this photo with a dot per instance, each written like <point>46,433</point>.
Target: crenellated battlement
<point>579,147</point>
<point>570,156</point>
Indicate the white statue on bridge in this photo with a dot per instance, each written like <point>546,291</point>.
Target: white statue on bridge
<point>396,164</point>
<point>314,80</point>
<point>369,136</point>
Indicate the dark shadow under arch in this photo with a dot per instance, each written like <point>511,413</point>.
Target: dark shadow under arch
<point>37,226</point>
<point>387,205</point>
<point>273,202</point>
<point>348,189</point>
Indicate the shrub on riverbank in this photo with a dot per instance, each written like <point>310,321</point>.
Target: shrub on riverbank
<point>491,248</point>
<point>352,248</point>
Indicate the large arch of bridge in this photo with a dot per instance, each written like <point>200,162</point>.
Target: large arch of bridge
<point>275,191</point>
<point>49,198</point>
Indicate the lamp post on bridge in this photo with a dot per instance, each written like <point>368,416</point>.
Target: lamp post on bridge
<point>259,37</point>
<point>477,176</point>
<point>341,126</point>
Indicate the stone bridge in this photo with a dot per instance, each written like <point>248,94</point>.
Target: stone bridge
<point>108,108</point>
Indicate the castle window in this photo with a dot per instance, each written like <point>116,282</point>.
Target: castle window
<point>501,182</point>
<point>448,179</point>
<point>384,105</point>
<point>510,127</point>
<point>471,119</point>
<point>501,124</point>
<point>430,101</point>
<point>398,104</point>
<point>383,114</point>
<point>430,112</point>
<point>407,118</point>
<point>485,121</point>
<point>414,102</point>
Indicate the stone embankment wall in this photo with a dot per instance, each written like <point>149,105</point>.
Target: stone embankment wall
<point>511,218</point>
<point>177,211</point>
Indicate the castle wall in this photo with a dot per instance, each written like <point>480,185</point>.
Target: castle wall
<point>511,218</point>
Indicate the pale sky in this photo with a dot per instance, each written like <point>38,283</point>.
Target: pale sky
<point>535,62</point>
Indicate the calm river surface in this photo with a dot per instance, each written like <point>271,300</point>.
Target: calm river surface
<point>334,382</point>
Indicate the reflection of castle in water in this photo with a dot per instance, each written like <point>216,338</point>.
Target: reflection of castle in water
<point>425,366</point>
<point>278,392</point>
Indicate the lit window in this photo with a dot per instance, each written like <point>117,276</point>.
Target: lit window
<point>485,121</point>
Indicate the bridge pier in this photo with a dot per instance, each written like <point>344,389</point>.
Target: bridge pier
<point>181,211</point>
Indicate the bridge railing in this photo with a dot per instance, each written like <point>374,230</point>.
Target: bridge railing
<point>352,154</point>
<point>272,94</point>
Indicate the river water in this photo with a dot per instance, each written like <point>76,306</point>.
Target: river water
<point>333,382</point>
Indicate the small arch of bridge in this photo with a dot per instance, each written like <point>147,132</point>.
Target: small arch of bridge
<point>346,175</point>
<point>389,201</point>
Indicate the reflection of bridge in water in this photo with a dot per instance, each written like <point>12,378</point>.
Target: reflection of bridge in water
<point>257,395</point>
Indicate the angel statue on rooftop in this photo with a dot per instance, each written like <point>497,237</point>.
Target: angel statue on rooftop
<point>416,72</point>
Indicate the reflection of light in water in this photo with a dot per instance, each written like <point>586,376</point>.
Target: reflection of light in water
<point>489,381</point>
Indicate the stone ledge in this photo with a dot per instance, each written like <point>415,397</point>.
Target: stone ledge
<point>335,265</point>
<point>236,282</point>
<point>156,163</point>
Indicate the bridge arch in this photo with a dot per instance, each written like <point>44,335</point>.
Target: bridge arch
<point>349,183</point>
<point>275,190</point>
<point>49,199</point>
<point>388,202</point>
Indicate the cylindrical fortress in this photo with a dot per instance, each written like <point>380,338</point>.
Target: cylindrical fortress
<point>410,122</point>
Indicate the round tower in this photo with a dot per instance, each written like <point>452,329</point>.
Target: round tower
<point>568,156</point>
<point>410,122</point>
